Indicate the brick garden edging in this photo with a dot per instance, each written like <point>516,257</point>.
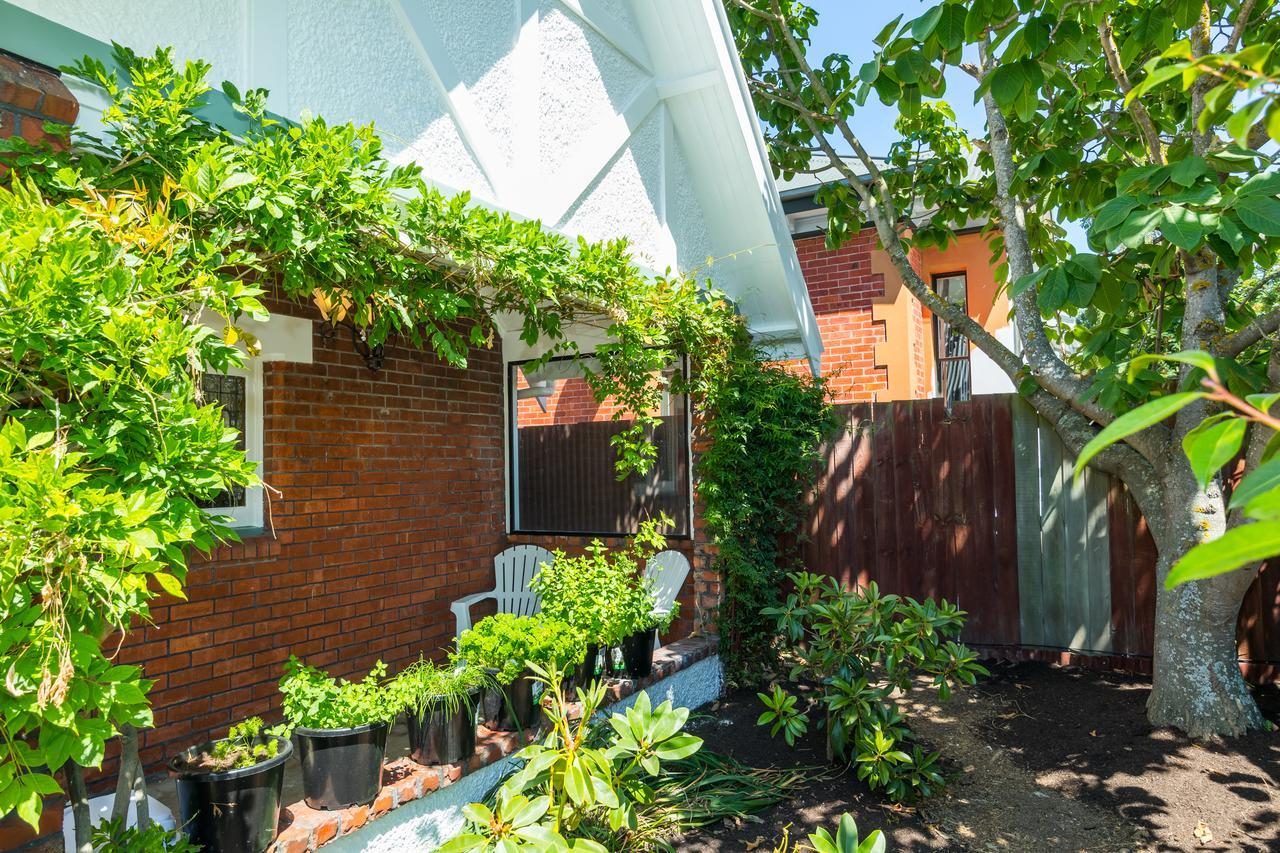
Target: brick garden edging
<point>304,829</point>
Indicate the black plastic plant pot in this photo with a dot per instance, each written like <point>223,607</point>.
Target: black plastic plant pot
<point>637,653</point>
<point>230,811</point>
<point>443,737</point>
<point>342,767</point>
<point>585,672</point>
<point>510,707</point>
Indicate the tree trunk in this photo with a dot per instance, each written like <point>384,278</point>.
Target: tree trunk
<point>79,807</point>
<point>1196,684</point>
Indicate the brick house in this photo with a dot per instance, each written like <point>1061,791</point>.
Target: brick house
<point>397,486</point>
<point>881,343</point>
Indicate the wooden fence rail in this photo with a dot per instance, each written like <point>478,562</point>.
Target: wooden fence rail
<point>979,506</point>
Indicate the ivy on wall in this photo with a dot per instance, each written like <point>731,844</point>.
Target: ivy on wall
<point>765,426</point>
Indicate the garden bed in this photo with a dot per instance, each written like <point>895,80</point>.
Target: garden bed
<point>1042,758</point>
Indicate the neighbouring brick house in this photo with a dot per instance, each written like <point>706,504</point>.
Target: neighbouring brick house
<point>880,343</point>
<point>397,487</point>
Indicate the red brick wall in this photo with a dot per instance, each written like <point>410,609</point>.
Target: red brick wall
<point>392,506</point>
<point>31,95</point>
<point>841,288</point>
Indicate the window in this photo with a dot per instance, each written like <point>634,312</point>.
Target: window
<point>563,478</point>
<point>951,347</point>
<point>239,392</point>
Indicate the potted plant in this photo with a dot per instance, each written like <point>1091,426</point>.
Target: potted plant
<point>580,591</point>
<point>605,595</point>
<point>229,789</point>
<point>638,625</point>
<point>341,729</point>
<point>440,706</point>
<point>504,644</point>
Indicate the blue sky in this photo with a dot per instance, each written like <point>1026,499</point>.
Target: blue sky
<point>848,27</point>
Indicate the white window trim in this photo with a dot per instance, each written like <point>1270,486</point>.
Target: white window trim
<point>249,515</point>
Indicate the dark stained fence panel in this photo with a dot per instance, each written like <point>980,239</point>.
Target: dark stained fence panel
<point>921,501</point>
<point>979,505</point>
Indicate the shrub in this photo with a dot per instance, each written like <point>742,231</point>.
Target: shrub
<point>314,699</point>
<point>604,593</point>
<point>572,784</point>
<point>863,648</point>
<point>507,644</point>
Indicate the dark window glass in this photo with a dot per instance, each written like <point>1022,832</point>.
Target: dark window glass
<point>564,480</point>
<point>228,392</point>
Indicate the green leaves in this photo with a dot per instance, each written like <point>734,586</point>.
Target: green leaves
<point>1146,415</point>
<point>1259,213</point>
<point>846,839</point>
<point>1213,443</point>
<point>782,715</point>
<point>1016,87</point>
<point>1234,549</point>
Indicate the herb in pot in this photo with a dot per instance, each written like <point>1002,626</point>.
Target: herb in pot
<point>316,700</point>
<point>427,687</point>
<point>247,743</point>
<point>505,644</point>
<point>599,592</point>
<point>341,727</point>
<point>440,705</point>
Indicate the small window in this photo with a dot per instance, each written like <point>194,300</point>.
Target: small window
<point>952,347</point>
<point>239,392</point>
<point>562,458</point>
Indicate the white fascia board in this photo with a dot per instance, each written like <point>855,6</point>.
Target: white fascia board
<point>806,320</point>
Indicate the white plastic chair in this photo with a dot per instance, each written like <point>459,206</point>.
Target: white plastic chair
<point>667,570</point>
<point>513,569</point>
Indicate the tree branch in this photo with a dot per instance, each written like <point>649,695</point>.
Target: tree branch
<point>1257,329</point>
<point>1139,112</point>
<point>1242,20</point>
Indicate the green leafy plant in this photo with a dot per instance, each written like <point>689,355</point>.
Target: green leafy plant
<point>426,687</point>
<point>573,791</point>
<point>112,836</point>
<point>314,699</point>
<point>845,840</point>
<point>603,593</point>
<point>247,743</point>
<point>782,714</point>
<point>1213,443</point>
<point>865,649</point>
<point>509,644</point>
<point>765,428</point>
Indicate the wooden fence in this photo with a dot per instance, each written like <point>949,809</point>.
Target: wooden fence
<point>979,506</point>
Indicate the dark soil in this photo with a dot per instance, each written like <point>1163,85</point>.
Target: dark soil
<point>1040,758</point>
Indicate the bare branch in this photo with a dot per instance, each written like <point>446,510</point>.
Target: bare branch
<point>1139,112</point>
<point>1242,20</point>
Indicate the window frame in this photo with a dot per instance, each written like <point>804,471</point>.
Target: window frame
<point>938,358</point>
<point>250,515</point>
<point>511,407</point>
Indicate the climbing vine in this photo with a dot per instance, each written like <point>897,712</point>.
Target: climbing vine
<point>765,426</point>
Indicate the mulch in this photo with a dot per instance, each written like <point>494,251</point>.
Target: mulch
<point>1040,758</point>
